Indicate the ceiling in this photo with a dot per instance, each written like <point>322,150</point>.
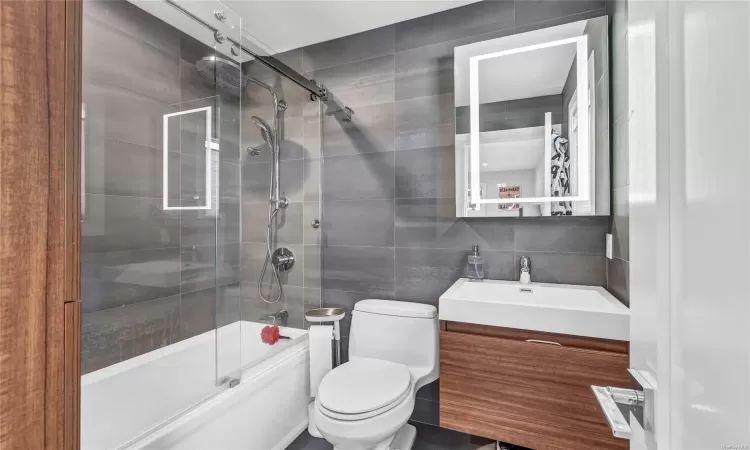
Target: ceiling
<point>281,25</point>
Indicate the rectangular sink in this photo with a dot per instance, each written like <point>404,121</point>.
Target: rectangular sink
<point>555,308</point>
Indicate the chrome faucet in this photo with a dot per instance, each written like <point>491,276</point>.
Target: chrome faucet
<point>279,318</point>
<point>525,264</point>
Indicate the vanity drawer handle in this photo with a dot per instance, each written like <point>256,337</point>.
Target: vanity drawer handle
<point>539,341</point>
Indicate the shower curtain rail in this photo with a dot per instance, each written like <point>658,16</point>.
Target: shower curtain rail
<point>272,63</point>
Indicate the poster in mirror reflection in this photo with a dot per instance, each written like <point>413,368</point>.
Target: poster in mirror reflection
<point>524,147</point>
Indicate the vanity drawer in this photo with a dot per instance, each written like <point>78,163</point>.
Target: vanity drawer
<point>527,393</point>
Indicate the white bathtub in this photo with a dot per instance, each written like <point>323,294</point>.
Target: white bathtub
<point>167,399</point>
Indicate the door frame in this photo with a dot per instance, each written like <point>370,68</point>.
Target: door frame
<point>40,109</point>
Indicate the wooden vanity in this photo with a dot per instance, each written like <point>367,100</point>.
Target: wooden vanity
<point>528,388</point>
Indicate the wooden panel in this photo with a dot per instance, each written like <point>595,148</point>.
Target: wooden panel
<point>24,188</point>
<point>64,28</point>
<point>72,378</point>
<point>606,345</point>
<point>39,101</point>
<point>529,394</point>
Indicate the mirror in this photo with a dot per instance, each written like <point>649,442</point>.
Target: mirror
<point>532,120</point>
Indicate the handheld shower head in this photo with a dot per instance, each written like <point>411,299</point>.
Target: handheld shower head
<point>265,129</point>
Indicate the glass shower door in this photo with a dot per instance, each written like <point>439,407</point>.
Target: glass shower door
<point>160,227</point>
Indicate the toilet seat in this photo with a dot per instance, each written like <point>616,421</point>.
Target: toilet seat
<point>363,388</point>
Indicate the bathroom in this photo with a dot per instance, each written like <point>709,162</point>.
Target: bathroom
<point>393,225</point>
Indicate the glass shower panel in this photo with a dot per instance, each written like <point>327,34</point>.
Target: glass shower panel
<point>160,230</point>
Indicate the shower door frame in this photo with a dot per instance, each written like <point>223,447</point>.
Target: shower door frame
<point>40,212</point>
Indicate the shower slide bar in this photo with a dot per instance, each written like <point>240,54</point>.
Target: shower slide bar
<point>272,63</point>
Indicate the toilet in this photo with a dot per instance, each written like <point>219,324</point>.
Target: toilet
<point>366,402</point>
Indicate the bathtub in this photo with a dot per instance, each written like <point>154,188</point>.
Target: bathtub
<point>167,399</point>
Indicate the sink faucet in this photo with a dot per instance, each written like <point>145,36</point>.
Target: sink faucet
<point>525,264</point>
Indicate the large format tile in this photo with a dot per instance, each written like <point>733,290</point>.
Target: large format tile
<point>254,256</point>
<point>370,130</point>
<point>358,222</point>
<point>618,279</point>
<point>256,181</point>
<point>620,224</point>
<point>424,71</point>
<point>203,267</point>
<point>561,234</point>
<point>358,269</point>
<point>426,173</point>
<point>425,122</point>
<point>592,14</point>
<point>620,153</point>
<point>121,114</point>
<point>531,11</point>
<point>287,224</point>
<point>312,266</point>
<point>199,228</point>
<point>115,279</point>
<point>130,19</point>
<point>124,59</point>
<point>292,300</point>
<point>355,47</point>
<point>470,20</point>
<point>432,223</point>
<point>114,223</point>
<point>361,83</point>
<point>359,177</point>
<point>422,275</point>
<point>117,334</point>
<point>567,268</point>
<point>120,168</point>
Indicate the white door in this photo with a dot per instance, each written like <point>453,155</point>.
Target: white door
<point>689,101</point>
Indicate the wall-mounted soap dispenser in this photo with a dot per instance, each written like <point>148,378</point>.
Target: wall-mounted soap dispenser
<point>476,265</point>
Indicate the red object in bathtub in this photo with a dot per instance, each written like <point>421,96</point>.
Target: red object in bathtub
<point>270,334</point>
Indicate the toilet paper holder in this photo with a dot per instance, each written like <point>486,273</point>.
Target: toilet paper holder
<point>329,315</point>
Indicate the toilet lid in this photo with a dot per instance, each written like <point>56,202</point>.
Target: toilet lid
<point>363,385</point>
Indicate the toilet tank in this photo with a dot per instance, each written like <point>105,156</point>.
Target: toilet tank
<point>403,332</point>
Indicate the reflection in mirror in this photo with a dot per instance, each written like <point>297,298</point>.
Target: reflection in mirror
<point>524,147</point>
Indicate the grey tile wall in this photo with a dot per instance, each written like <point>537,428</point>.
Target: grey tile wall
<point>151,277</point>
<point>389,228</point>
<point>618,268</point>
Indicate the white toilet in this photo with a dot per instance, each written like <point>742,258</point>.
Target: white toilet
<point>393,351</point>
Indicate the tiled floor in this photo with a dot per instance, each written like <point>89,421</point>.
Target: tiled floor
<point>428,438</point>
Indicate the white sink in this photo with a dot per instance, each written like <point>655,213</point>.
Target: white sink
<point>555,308</point>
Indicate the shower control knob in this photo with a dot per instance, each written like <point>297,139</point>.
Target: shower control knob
<point>315,223</point>
<point>283,259</point>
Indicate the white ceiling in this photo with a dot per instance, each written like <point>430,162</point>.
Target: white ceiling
<point>282,25</point>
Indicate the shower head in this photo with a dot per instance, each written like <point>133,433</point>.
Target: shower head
<point>265,129</point>
<point>221,72</point>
